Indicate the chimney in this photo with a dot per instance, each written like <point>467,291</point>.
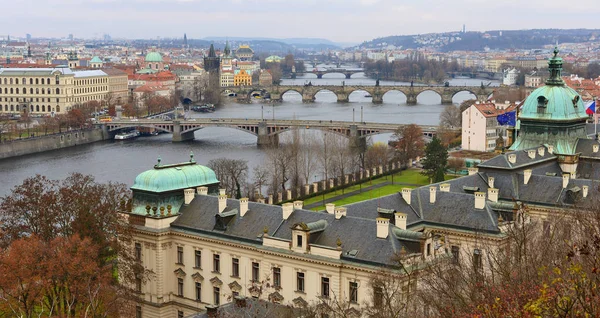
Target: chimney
<point>541,151</point>
<point>339,212</point>
<point>595,147</point>
<point>406,195</point>
<point>550,149</point>
<point>585,191</point>
<point>222,200</point>
<point>531,153</point>
<point>445,187</point>
<point>512,158</point>
<point>287,209</point>
<point>432,191</point>
<point>401,220</point>
<point>479,200</point>
<point>202,190</point>
<point>565,180</point>
<point>526,176</point>
<point>383,228</point>
<point>473,170</point>
<point>298,205</point>
<point>188,196</point>
<point>493,194</point>
<point>330,208</point>
<point>243,206</point>
<point>491,182</point>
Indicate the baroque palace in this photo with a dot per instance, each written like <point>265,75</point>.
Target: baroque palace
<point>205,249</point>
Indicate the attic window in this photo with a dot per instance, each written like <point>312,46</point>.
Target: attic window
<point>352,253</point>
<point>551,174</point>
<point>470,189</point>
<point>542,101</point>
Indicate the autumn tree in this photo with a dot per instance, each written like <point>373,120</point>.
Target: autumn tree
<point>451,117</point>
<point>232,173</point>
<point>377,155</point>
<point>435,161</point>
<point>456,164</point>
<point>409,142</point>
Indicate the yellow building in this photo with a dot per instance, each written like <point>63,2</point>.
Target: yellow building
<point>242,78</point>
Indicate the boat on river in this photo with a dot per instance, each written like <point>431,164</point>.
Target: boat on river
<point>206,108</point>
<point>127,135</point>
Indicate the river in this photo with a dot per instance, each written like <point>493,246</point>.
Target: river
<point>121,161</point>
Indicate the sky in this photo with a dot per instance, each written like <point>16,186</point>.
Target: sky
<point>344,21</point>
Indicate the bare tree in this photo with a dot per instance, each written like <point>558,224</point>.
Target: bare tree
<point>232,173</point>
<point>451,117</point>
<point>261,175</point>
<point>456,164</point>
<point>308,156</point>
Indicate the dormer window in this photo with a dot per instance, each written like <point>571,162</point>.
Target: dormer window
<point>542,101</point>
<point>299,240</point>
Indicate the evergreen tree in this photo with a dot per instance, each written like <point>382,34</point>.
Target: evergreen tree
<point>436,160</point>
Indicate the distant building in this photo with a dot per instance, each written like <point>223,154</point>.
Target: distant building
<point>480,128</point>
<point>274,59</point>
<point>242,78</point>
<point>153,63</point>
<point>265,78</point>
<point>96,62</point>
<point>510,77</point>
<point>117,85</point>
<point>244,53</point>
<point>212,65</point>
<point>533,80</point>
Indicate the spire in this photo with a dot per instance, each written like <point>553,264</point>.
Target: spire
<point>211,52</point>
<point>555,67</point>
<point>227,50</point>
<point>185,39</point>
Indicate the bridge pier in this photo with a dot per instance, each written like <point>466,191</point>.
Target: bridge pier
<point>377,99</point>
<point>264,139</point>
<point>293,75</point>
<point>342,98</point>
<point>178,136</point>
<point>348,75</point>
<point>308,98</point>
<point>319,75</point>
<point>447,99</point>
<point>411,99</point>
<point>356,142</point>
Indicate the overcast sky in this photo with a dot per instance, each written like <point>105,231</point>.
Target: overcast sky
<point>337,20</point>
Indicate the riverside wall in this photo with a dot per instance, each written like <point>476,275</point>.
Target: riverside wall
<point>72,138</point>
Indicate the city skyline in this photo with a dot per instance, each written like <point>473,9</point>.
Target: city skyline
<point>339,21</point>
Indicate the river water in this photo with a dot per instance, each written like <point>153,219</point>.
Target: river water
<point>121,161</point>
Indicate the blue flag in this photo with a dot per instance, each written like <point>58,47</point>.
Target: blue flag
<point>508,118</point>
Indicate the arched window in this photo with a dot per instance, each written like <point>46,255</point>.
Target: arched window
<point>31,90</point>
<point>16,81</point>
<point>24,81</point>
<point>17,90</point>
<point>11,91</point>
<point>57,109</point>
<point>43,81</point>
<point>11,81</point>
<point>31,81</point>
<point>37,81</point>
<point>12,108</point>
<point>48,81</point>
<point>37,108</point>
<point>58,91</point>
<point>37,91</point>
<point>5,89</point>
<point>43,91</point>
<point>43,108</point>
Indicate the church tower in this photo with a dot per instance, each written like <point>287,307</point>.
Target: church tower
<point>212,64</point>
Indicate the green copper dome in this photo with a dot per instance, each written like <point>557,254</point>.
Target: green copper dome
<point>154,57</point>
<point>165,178</point>
<point>96,59</point>
<point>553,114</point>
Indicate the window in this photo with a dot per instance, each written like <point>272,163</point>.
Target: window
<point>198,291</point>
<point>179,314</point>
<point>276,276</point>
<point>138,311</point>
<point>198,259</point>
<point>300,282</point>
<point>235,267</point>
<point>299,240</point>
<point>428,249</point>
<point>138,252</point>
<point>325,287</point>
<point>217,295</point>
<point>180,287</point>
<point>377,296</point>
<point>138,284</point>
<point>455,251</point>
<point>353,292</point>
<point>255,271</point>
<point>216,263</point>
<point>477,259</point>
<point>179,254</point>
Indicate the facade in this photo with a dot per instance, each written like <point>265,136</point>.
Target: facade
<point>242,78</point>
<point>480,128</point>
<point>227,78</point>
<point>533,80</point>
<point>48,91</point>
<point>227,71</point>
<point>244,53</point>
<point>164,79</point>
<point>96,62</point>
<point>190,84</point>
<point>510,76</point>
<point>265,78</point>
<point>117,85</point>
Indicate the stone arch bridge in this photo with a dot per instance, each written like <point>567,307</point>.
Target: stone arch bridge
<point>267,131</point>
<point>346,72</point>
<point>309,92</point>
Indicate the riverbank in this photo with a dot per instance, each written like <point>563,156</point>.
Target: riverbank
<point>32,145</point>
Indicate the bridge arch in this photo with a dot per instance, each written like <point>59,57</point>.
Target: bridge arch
<point>396,96</point>
<point>327,75</point>
<point>431,90</point>
<point>248,130</point>
<point>358,72</point>
<point>326,90</point>
<point>157,127</point>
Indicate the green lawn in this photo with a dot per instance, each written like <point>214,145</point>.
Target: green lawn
<point>376,193</point>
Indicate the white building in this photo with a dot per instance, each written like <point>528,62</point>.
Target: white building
<point>510,76</point>
<point>480,128</point>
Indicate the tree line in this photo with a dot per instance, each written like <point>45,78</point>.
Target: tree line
<point>416,67</point>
